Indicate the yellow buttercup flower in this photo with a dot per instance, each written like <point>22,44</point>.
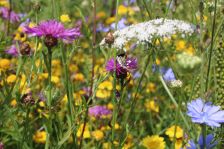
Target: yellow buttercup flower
<point>13,103</point>
<point>101,15</point>
<point>65,18</point>
<point>153,142</point>
<point>40,137</point>
<point>151,87</point>
<point>110,20</point>
<point>98,134</point>
<point>4,3</point>
<point>4,64</point>
<point>123,10</point>
<point>150,105</point>
<point>11,79</point>
<point>86,133</point>
<point>180,45</point>
<point>175,131</point>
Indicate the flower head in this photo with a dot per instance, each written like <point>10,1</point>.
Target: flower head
<point>209,143</point>
<point>6,14</point>
<point>121,67</point>
<point>99,111</point>
<point>53,30</point>
<point>153,142</point>
<point>175,131</point>
<point>12,51</point>
<point>145,32</point>
<point>205,113</point>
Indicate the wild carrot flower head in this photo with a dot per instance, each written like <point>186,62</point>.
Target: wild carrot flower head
<point>53,30</point>
<point>99,111</point>
<point>121,67</point>
<point>209,143</point>
<point>11,15</point>
<point>205,113</point>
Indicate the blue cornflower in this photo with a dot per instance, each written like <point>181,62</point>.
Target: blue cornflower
<point>209,143</point>
<point>205,113</point>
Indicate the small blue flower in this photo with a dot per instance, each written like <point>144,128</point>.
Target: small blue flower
<point>209,142</point>
<point>205,113</point>
<point>168,75</point>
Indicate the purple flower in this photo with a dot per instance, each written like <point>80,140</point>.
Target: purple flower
<point>53,30</point>
<point>99,111</point>
<point>102,28</point>
<point>12,51</point>
<point>122,69</point>
<point>1,145</point>
<point>120,25</point>
<point>205,113</point>
<point>6,14</point>
<point>209,142</point>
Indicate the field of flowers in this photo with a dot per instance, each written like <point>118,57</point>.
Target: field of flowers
<point>111,74</point>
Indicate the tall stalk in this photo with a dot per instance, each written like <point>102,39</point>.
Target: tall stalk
<point>93,73</point>
<point>114,116</point>
<point>211,48</point>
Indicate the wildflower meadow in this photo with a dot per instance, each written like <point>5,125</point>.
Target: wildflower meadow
<point>111,74</point>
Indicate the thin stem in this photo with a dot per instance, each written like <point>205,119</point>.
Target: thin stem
<point>204,133</point>
<point>114,116</point>
<point>174,102</point>
<point>93,73</point>
<point>49,76</point>
<point>211,48</point>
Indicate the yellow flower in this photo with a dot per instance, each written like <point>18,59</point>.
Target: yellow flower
<point>123,10</point>
<point>110,20</point>
<point>151,87</point>
<point>175,129</point>
<point>180,45</point>
<point>4,3</point>
<point>153,142</point>
<point>178,144</point>
<point>4,64</point>
<point>65,18</point>
<point>11,79</point>
<point>150,105</point>
<point>98,134</point>
<point>101,14</point>
<point>86,133</point>
<point>190,50</point>
<point>55,79</point>
<point>13,103</point>
<point>40,137</point>
<point>79,77</point>
<point>110,106</point>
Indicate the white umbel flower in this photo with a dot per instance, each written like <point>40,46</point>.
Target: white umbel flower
<point>146,31</point>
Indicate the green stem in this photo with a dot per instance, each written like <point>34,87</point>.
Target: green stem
<point>211,48</point>
<point>204,133</point>
<point>174,102</point>
<point>114,116</point>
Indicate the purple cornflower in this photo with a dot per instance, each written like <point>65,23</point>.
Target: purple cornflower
<point>12,51</point>
<point>209,143</point>
<point>53,30</point>
<point>99,111</point>
<point>205,113</point>
<point>11,15</point>
<point>121,67</point>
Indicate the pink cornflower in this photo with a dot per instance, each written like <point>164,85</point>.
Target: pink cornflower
<point>53,30</point>
<point>99,111</point>
<point>11,15</point>
<point>122,68</point>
